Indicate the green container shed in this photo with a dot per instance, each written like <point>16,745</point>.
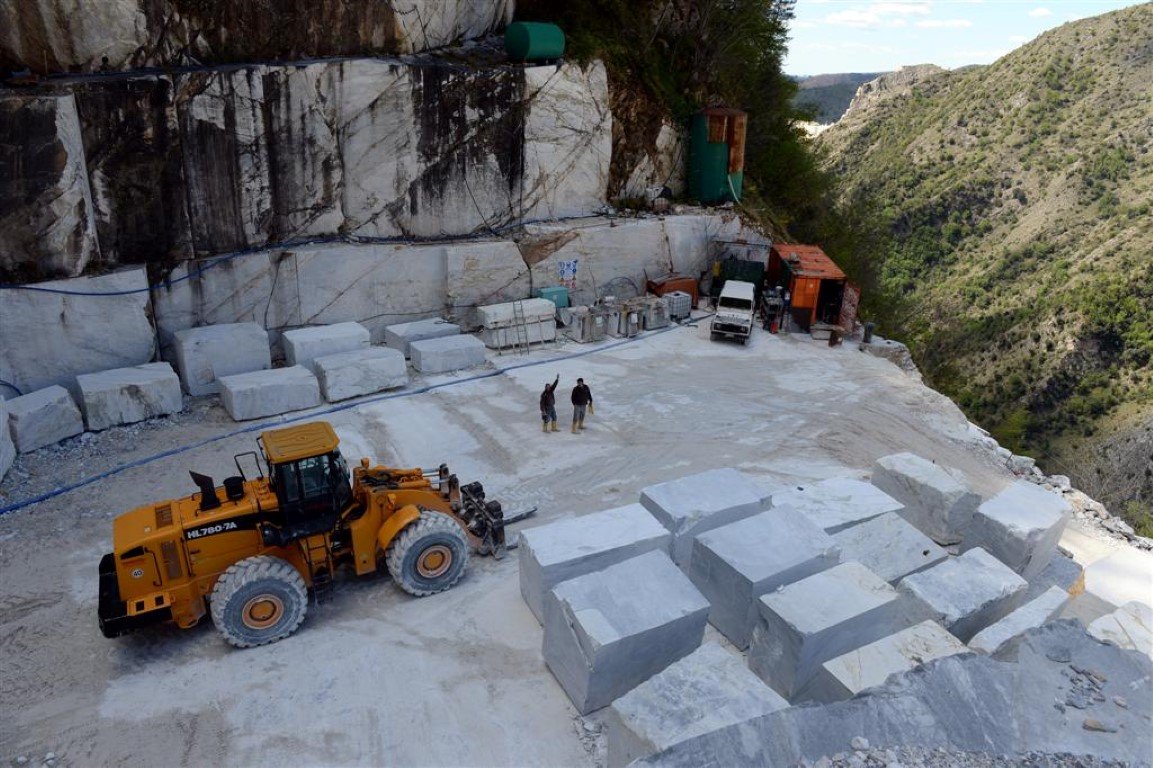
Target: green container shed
<point>717,155</point>
<point>533,41</point>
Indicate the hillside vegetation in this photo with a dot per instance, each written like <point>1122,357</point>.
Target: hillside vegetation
<point>1017,197</point>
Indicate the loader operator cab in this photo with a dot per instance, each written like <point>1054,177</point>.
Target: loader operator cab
<point>309,476</point>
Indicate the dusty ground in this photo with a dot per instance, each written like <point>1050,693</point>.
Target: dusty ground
<point>375,676</point>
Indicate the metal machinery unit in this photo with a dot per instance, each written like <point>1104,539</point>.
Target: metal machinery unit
<point>533,41</point>
<point>632,316</point>
<point>250,552</point>
<point>656,312</point>
<point>586,324</point>
<point>611,311</point>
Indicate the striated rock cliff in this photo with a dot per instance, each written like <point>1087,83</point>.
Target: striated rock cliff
<point>157,168</point>
<point>891,84</point>
<point>52,36</point>
<point>46,225</point>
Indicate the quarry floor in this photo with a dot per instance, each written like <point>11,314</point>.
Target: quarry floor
<point>375,676</point>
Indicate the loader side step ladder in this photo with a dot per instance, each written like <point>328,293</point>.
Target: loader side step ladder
<point>318,556</point>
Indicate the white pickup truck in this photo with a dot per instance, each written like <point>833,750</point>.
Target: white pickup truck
<point>735,308</point>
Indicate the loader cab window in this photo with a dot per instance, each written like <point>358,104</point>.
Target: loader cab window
<point>312,492</point>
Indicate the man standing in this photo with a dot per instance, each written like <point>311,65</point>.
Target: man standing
<point>548,405</point>
<point>582,397</point>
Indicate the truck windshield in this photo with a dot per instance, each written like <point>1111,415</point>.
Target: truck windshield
<point>732,303</point>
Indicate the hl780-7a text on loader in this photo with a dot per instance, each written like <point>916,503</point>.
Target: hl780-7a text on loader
<point>250,551</point>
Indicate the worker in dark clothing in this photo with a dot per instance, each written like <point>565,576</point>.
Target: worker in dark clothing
<point>582,398</point>
<point>548,405</point>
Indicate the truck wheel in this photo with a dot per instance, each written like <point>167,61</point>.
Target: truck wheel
<point>429,555</point>
<point>257,601</point>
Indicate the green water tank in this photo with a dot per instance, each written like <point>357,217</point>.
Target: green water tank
<point>533,41</point>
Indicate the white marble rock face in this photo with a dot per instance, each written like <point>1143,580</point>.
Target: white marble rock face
<point>360,372</point>
<point>400,335</point>
<point>711,688</point>
<point>689,506</point>
<point>965,594</point>
<point>450,353</point>
<point>1130,626</point>
<point>1034,613</point>
<point>937,501</point>
<point>205,354</point>
<point>889,546</point>
<point>303,345</point>
<point>269,393</point>
<point>838,503</point>
<point>556,552</point>
<point>1021,526</point>
<point>735,564</point>
<point>567,140</point>
<point>806,623</point>
<point>48,338</point>
<point>129,395</point>
<point>42,418</point>
<point>869,666</point>
<point>47,221</point>
<point>608,631</point>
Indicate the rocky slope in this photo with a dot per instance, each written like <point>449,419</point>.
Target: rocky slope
<point>1018,196</point>
<point>830,95</point>
<point>52,36</point>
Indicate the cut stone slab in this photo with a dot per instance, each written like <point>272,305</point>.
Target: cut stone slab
<point>692,505</point>
<point>735,564</point>
<point>42,418</point>
<point>1020,526</point>
<point>838,503</point>
<point>498,322</point>
<point>303,345</point>
<point>805,624</point>
<point>399,336</point>
<point>205,354</point>
<point>608,631</point>
<point>1063,572</point>
<point>360,372</point>
<point>965,594</point>
<point>937,500</point>
<point>269,393</point>
<point>889,546</point>
<point>1031,615</point>
<point>553,553</point>
<point>870,666</point>
<point>129,395</point>
<point>710,688</point>
<point>1130,626</point>
<point>7,448</point>
<point>450,353</point>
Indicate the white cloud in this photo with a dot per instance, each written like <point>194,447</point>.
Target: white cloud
<point>943,23</point>
<point>877,15</point>
<point>1039,12</point>
<point>802,24</point>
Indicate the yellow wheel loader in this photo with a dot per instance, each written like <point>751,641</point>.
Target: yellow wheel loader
<point>250,552</point>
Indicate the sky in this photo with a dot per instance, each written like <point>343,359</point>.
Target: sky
<point>853,36</point>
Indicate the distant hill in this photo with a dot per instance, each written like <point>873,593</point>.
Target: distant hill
<point>1019,199</point>
<point>830,95</point>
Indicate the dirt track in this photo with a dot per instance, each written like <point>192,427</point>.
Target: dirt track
<point>374,676</point>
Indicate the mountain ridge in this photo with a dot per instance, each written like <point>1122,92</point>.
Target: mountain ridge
<point>1017,196</point>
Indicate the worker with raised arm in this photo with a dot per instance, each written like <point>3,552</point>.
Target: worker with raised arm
<point>548,405</point>
<point>582,398</point>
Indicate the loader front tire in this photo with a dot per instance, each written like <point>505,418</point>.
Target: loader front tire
<point>258,601</point>
<point>428,556</point>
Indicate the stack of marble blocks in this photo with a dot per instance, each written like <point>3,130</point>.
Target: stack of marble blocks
<point>831,587</point>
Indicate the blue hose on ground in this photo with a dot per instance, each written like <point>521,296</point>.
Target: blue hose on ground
<point>16,506</point>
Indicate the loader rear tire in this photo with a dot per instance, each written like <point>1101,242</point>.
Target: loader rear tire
<point>258,601</point>
<point>428,556</point>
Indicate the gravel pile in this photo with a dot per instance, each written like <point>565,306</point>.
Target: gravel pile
<point>925,757</point>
